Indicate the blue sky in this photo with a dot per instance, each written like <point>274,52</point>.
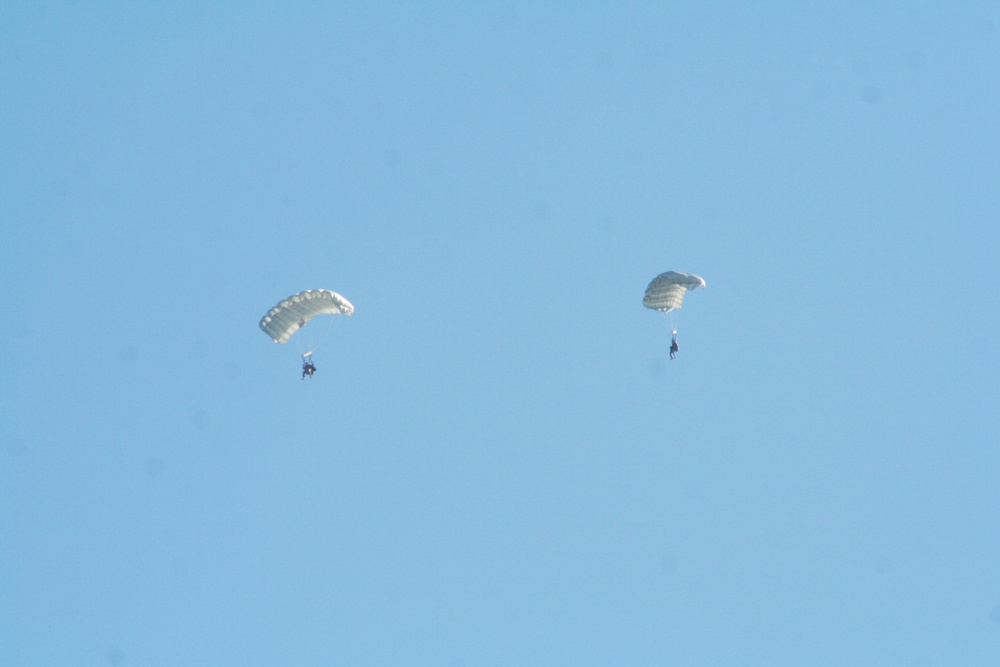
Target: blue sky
<point>496,463</point>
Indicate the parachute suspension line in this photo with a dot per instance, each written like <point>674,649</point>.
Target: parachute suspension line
<point>673,329</point>
<point>315,335</point>
<point>306,341</point>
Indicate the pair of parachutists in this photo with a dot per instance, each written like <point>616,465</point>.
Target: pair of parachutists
<point>665,294</point>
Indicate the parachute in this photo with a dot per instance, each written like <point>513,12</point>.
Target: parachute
<point>666,291</point>
<point>291,314</point>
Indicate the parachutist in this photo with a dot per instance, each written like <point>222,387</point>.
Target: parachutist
<point>666,294</point>
<point>291,314</point>
<point>308,368</point>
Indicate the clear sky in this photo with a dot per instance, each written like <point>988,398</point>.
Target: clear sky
<point>496,463</point>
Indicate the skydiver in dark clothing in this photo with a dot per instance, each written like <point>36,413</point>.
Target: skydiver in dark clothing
<point>673,346</point>
<point>308,369</point>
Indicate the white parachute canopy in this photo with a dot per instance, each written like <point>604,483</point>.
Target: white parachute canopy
<point>667,290</point>
<point>291,314</point>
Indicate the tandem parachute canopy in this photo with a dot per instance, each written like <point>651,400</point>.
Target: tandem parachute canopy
<point>282,321</point>
<point>667,290</point>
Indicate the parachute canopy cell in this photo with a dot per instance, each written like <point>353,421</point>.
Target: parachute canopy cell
<point>282,321</point>
<point>667,290</point>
